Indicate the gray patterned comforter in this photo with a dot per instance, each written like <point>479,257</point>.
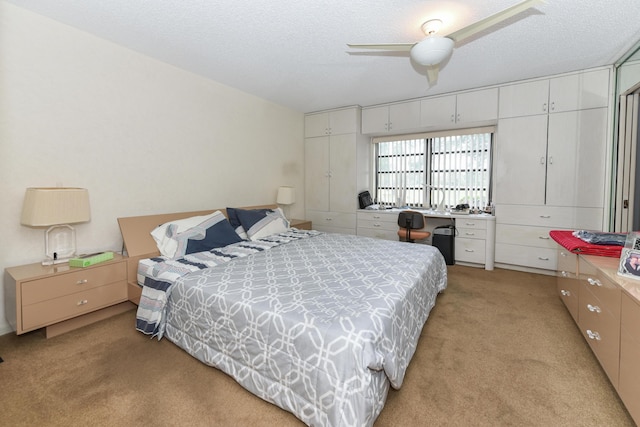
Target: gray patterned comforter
<point>319,326</point>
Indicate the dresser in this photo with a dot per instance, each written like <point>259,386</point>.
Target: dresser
<point>60,298</point>
<point>474,239</point>
<point>606,308</point>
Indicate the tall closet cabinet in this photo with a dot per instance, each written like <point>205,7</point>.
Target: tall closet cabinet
<point>550,163</point>
<point>337,157</point>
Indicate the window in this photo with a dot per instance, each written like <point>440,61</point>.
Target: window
<point>426,169</point>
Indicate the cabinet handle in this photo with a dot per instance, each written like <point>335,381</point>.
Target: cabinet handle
<point>551,160</point>
<point>469,250</point>
<point>563,254</point>
<point>544,237</point>
<point>593,335</point>
<point>469,234</point>
<point>543,160</point>
<point>457,117</point>
<point>470,223</point>
<point>593,282</point>
<point>82,302</point>
<point>564,274</point>
<point>543,258</point>
<point>390,126</point>
<point>544,107</point>
<point>82,282</point>
<point>553,106</point>
<point>594,308</point>
<point>327,219</point>
<point>376,217</point>
<point>545,216</point>
<point>565,293</point>
<point>377,224</point>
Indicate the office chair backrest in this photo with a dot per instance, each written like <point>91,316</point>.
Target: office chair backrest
<point>411,220</point>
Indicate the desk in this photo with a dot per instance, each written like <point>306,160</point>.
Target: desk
<point>475,234</point>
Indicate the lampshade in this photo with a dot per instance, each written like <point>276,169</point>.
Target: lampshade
<point>44,207</point>
<point>432,50</point>
<point>286,196</point>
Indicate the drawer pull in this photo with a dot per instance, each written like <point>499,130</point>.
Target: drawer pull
<point>82,302</point>
<point>543,237</point>
<point>469,250</point>
<point>593,335</point>
<point>470,224</point>
<point>564,274</point>
<point>82,282</point>
<point>469,234</point>
<point>565,293</point>
<point>376,217</point>
<point>543,258</point>
<point>594,308</point>
<point>545,216</point>
<point>594,282</point>
<point>327,219</point>
<point>563,254</point>
<point>377,225</point>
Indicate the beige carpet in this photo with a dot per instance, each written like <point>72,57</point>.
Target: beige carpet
<point>499,349</point>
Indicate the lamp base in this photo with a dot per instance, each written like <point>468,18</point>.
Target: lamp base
<point>49,261</point>
<point>59,244</point>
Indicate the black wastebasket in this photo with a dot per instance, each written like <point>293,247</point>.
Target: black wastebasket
<point>444,239</point>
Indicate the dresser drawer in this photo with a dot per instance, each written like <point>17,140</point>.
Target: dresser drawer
<point>377,224</point>
<point>470,250</point>
<point>598,290</point>
<point>75,281</point>
<point>525,236</point>
<point>555,217</point>
<point>325,219</point>
<point>65,307</point>
<point>471,233</point>
<point>568,287</point>
<point>469,223</point>
<point>567,261</point>
<point>526,256</point>
<point>378,216</point>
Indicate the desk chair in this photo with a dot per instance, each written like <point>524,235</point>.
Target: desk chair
<point>408,221</point>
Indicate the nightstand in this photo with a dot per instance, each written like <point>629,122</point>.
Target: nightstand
<point>62,298</point>
<point>301,224</point>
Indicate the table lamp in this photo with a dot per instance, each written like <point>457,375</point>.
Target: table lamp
<point>56,208</point>
<point>286,196</point>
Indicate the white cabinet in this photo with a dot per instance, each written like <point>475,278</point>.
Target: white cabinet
<point>558,158</point>
<point>403,116</point>
<point>334,164</point>
<point>332,122</point>
<point>467,107</point>
<point>580,91</point>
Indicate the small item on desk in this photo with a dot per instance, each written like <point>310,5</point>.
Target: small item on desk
<point>90,259</point>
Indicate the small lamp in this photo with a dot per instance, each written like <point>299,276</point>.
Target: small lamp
<point>286,196</point>
<point>56,208</point>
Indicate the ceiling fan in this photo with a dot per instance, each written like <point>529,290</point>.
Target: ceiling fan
<point>434,49</point>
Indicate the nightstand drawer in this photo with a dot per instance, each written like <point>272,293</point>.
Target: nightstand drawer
<point>68,306</point>
<point>35,291</point>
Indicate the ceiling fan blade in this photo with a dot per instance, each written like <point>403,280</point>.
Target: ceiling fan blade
<point>385,46</point>
<point>489,21</point>
<point>432,74</point>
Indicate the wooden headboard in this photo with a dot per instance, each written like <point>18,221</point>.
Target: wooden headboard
<point>138,243</point>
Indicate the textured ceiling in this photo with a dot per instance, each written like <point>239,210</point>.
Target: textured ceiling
<point>294,53</point>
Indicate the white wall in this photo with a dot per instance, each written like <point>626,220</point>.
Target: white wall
<point>143,136</point>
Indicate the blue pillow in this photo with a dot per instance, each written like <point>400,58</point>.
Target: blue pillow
<point>215,232</point>
<point>260,223</point>
<point>234,220</point>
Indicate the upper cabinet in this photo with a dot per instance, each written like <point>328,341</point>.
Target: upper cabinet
<point>573,92</point>
<point>403,116</point>
<point>468,107</point>
<point>334,122</point>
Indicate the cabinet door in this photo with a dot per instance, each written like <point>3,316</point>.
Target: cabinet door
<point>343,121</point>
<point>404,116</point>
<point>375,119</point>
<point>316,154</point>
<point>579,91</point>
<point>438,111</point>
<point>316,124</point>
<point>524,99</point>
<point>342,172</point>
<point>521,160</point>
<point>576,158</point>
<point>477,106</point>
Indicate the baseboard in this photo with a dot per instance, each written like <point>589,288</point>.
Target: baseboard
<point>5,329</point>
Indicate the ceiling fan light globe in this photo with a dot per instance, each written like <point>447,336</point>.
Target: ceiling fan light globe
<point>432,50</point>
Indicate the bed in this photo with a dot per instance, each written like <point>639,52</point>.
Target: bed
<point>320,324</point>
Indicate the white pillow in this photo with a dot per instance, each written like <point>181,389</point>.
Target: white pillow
<point>167,245</point>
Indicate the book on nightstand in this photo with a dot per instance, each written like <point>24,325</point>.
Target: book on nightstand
<point>90,259</point>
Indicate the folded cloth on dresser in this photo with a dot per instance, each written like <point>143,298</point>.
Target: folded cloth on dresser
<point>567,240</point>
<point>157,275</point>
<point>601,238</point>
